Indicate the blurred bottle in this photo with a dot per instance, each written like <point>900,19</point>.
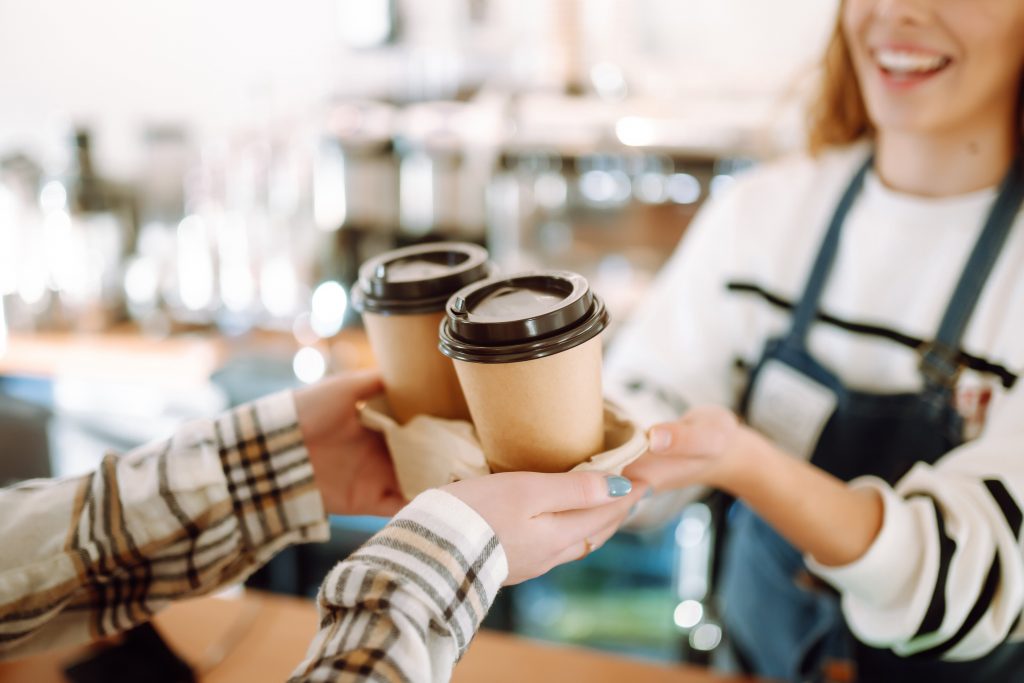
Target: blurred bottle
<point>88,227</point>
<point>355,185</point>
<point>87,192</point>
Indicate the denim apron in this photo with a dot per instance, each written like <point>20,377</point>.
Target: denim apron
<point>784,623</point>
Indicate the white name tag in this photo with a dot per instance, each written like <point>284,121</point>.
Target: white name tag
<point>790,408</point>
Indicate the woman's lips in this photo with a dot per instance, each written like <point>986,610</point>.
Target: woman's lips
<point>903,67</point>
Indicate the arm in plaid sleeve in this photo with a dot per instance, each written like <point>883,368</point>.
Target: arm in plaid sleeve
<point>89,556</point>
<point>407,604</point>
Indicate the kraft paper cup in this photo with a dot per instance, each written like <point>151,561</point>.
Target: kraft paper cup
<point>401,295</point>
<point>418,379</point>
<point>527,352</point>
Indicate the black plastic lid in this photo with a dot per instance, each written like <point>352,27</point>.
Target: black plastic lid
<point>418,279</point>
<point>521,317</point>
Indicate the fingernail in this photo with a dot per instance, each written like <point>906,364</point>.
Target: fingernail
<point>632,511</point>
<point>660,439</point>
<point>647,494</point>
<point>618,486</point>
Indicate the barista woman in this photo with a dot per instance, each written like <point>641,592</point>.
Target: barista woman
<point>861,309</point>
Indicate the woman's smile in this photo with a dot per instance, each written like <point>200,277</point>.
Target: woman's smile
<point>906,66</point>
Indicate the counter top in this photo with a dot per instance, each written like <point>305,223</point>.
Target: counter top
<point>260,637</point>
<point>124,354</point>
<point>121,354</point>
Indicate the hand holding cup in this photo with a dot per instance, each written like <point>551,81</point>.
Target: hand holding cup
<point>544,520</point>
<point>351,464</point>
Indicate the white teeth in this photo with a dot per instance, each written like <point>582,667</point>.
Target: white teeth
<point>900,61</point>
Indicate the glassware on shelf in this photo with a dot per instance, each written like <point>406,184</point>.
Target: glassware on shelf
<point>446,151</point>
<point>355,177</point>
<point>23,274</point>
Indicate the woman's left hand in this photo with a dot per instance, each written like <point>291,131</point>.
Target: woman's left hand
<point>708,445</point>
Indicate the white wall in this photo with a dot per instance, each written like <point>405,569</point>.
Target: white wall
<point>118,63</point>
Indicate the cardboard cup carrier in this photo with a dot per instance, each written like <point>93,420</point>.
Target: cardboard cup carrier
<point>527,351</point>
<point>401,295</point>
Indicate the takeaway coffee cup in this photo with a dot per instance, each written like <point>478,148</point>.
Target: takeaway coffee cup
<point>401,295</point>
<point>527,351</point>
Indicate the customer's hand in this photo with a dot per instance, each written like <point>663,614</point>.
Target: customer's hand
<point>351,464</point>
<point>708,445</point>
<point>544,520</point>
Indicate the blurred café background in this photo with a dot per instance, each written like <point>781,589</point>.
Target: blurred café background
<point>188,188</point>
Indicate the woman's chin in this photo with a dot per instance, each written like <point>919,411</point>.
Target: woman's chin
<point>904,120</point>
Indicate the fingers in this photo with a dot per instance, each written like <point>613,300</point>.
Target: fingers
<point>319,404</point>
<point>598,540</point>
<point>574,490</point>
<point>363,383</point>
<point>583,521</point>
<point>573,526</point>
<point>539,517</point>
<point>586,545</point>
<point>706,430</point>
<point>665,471</point>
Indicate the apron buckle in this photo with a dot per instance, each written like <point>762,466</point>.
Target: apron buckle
<point>940,364</point>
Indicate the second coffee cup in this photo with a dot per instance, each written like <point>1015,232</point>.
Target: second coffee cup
<point>401,295</point>
<point>527,352</point>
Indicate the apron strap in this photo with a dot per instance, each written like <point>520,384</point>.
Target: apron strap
<point>941,359</point>
<point>807,309</point>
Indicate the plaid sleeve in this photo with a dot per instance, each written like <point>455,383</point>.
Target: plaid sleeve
<point>406,605</point>
<point>85,557</point>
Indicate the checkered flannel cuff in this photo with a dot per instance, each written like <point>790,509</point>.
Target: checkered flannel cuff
<point>441,551</point>
<point>269,477</point>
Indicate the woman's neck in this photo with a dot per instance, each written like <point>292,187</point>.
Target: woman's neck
<point>943,165</point>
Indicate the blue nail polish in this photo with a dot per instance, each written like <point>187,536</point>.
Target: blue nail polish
<point>648,493</point>
<point>618,486</point>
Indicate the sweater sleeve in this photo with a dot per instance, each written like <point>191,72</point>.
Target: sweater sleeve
<point>944,578</point>
<point>407,604</point>
<point>90,556</point>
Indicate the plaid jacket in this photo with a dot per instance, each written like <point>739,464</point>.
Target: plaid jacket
<point>85,557</point>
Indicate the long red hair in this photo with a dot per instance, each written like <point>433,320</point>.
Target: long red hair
<point>838,115</point>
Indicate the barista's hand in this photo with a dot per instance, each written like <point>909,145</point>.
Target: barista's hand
<point>813,510</point>
<point>708,445</point>
<point>351,464</point>
<point>544,520</point>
